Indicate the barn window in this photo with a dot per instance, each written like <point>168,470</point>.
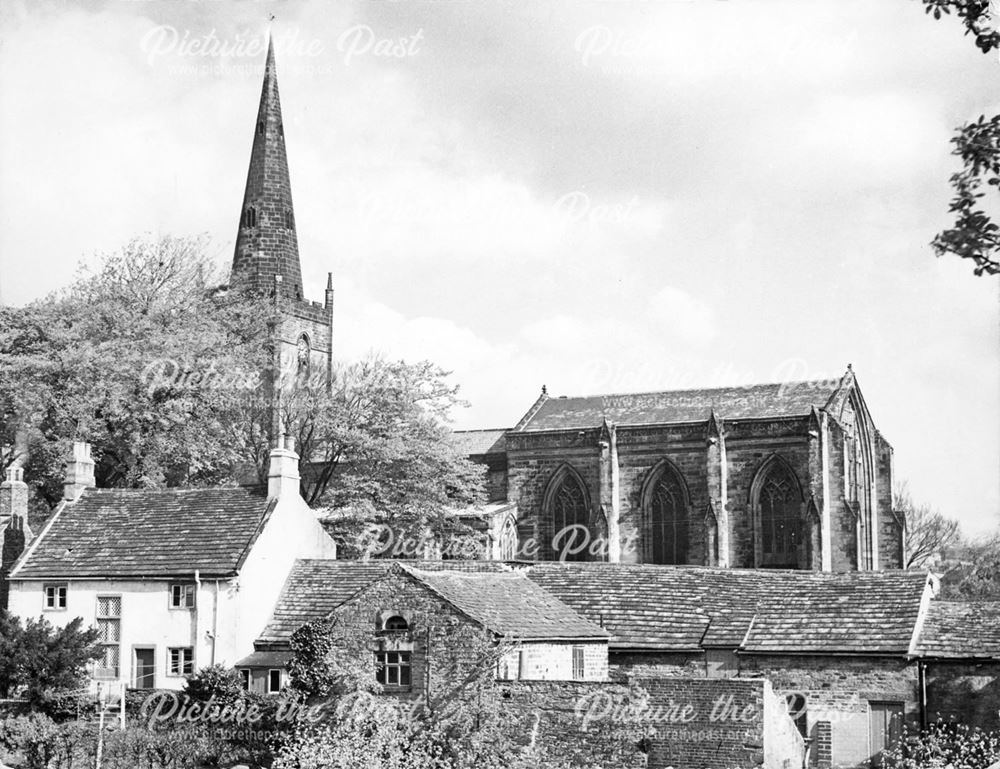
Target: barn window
<point>780,526</point>
<point>392,668</point>
<point>666,531</point>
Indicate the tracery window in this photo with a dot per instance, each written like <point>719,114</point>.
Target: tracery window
<point>781,528</point>
<point>667,535</point>
<point>568,510</point>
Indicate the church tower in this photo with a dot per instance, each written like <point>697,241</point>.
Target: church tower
<point>267,250</point>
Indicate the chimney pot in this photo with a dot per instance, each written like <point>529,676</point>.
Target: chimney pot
<point>13,499</point>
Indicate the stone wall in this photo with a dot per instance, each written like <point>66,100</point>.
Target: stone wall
<point>965,691</point>
<point>838,691</point>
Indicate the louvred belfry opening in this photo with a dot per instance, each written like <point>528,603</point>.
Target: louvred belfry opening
<point>266,243</point>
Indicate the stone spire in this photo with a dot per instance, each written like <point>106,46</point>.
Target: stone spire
<point>267,249</point>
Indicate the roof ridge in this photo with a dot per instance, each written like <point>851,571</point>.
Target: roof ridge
<point>700,389</point>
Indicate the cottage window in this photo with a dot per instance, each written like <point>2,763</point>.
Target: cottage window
<point>273,681</point>
<point>181,661</point>
<point>577,663</point>
<point>109,635</point>
<point>245,678</point>
<point>667,534</point>
<point>392,668</point>
<point>182,596</point>
<point>55,597</point>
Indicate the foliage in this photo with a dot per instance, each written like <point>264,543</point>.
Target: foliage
<point>974,235</point>
<point>172,380</point>
<point>215,683</point>
<point>928,533</point>
<point>945,744</point>
<point>133,357</point>
<point>42,743</point>
<point>972,573</point>
<point>454,720</point>
<point>309,672</point>
<point>43,660</point>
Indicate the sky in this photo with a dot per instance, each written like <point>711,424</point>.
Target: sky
<point>601,196</point>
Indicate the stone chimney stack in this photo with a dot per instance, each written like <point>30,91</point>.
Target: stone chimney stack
<point>13,497</point>
<point>79,472</point>
<point>283,471</point>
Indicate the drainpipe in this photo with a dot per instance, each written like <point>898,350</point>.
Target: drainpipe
<point>215,619</point>
<point>922,683</point>
<point>197,608</point>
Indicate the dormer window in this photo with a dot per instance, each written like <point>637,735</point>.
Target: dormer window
<point>250,217</point>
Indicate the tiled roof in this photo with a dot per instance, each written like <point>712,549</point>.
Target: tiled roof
<point>961,629</point>
<point>509,604</point>
<point>683,608</point>
<point>751,402</point>
<point>140,532</point>
<point>477,442</point>
<point>266,659</point>
<point>315,587</point>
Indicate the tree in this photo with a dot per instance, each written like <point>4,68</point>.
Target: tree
<point>172,380</point>
<point>944,744</point>
<point>135,357</point>
<point>928,532</point>
<point>42,659</point>
<point>374,446</point>
<point>973,573</point>
<point>974,235</point>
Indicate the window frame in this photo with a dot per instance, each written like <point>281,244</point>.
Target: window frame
<point>188,589</point>
<point>187,651</point>
<point>281,681</point>
<point>578,672</point>
<point>383,667</point>
<point>64,595</point>
<point>102,671</point>
<point>246,678</point>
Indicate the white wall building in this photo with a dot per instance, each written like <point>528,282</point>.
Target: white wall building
<point>174,580</point>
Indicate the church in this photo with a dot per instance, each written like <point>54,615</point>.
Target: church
<point>791,475</point>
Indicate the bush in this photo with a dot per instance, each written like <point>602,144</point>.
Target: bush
<point>945,744</point>
<point>217,683</point>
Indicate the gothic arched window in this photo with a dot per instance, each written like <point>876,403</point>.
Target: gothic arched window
<point>250,217</point>
<point>667,519</point>
<point>779,501</point>
<point>570,518</point>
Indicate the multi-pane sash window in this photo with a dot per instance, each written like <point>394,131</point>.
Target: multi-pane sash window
<point>181,661</point>
<point>182,596</point>
<point>392,668</point>
<point>109,634</point>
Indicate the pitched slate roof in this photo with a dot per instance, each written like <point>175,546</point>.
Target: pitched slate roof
<point>315,587</point>
<point>478,442</point>
<point>146,533</point>
<point>509,604</point>
<point>961,630</point>
<point>685,608</point>
<point>751,402</point>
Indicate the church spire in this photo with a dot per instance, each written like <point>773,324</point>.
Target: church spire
<point>267,248</point>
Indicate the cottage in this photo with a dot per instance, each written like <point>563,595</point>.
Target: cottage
<point>174,579</point>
